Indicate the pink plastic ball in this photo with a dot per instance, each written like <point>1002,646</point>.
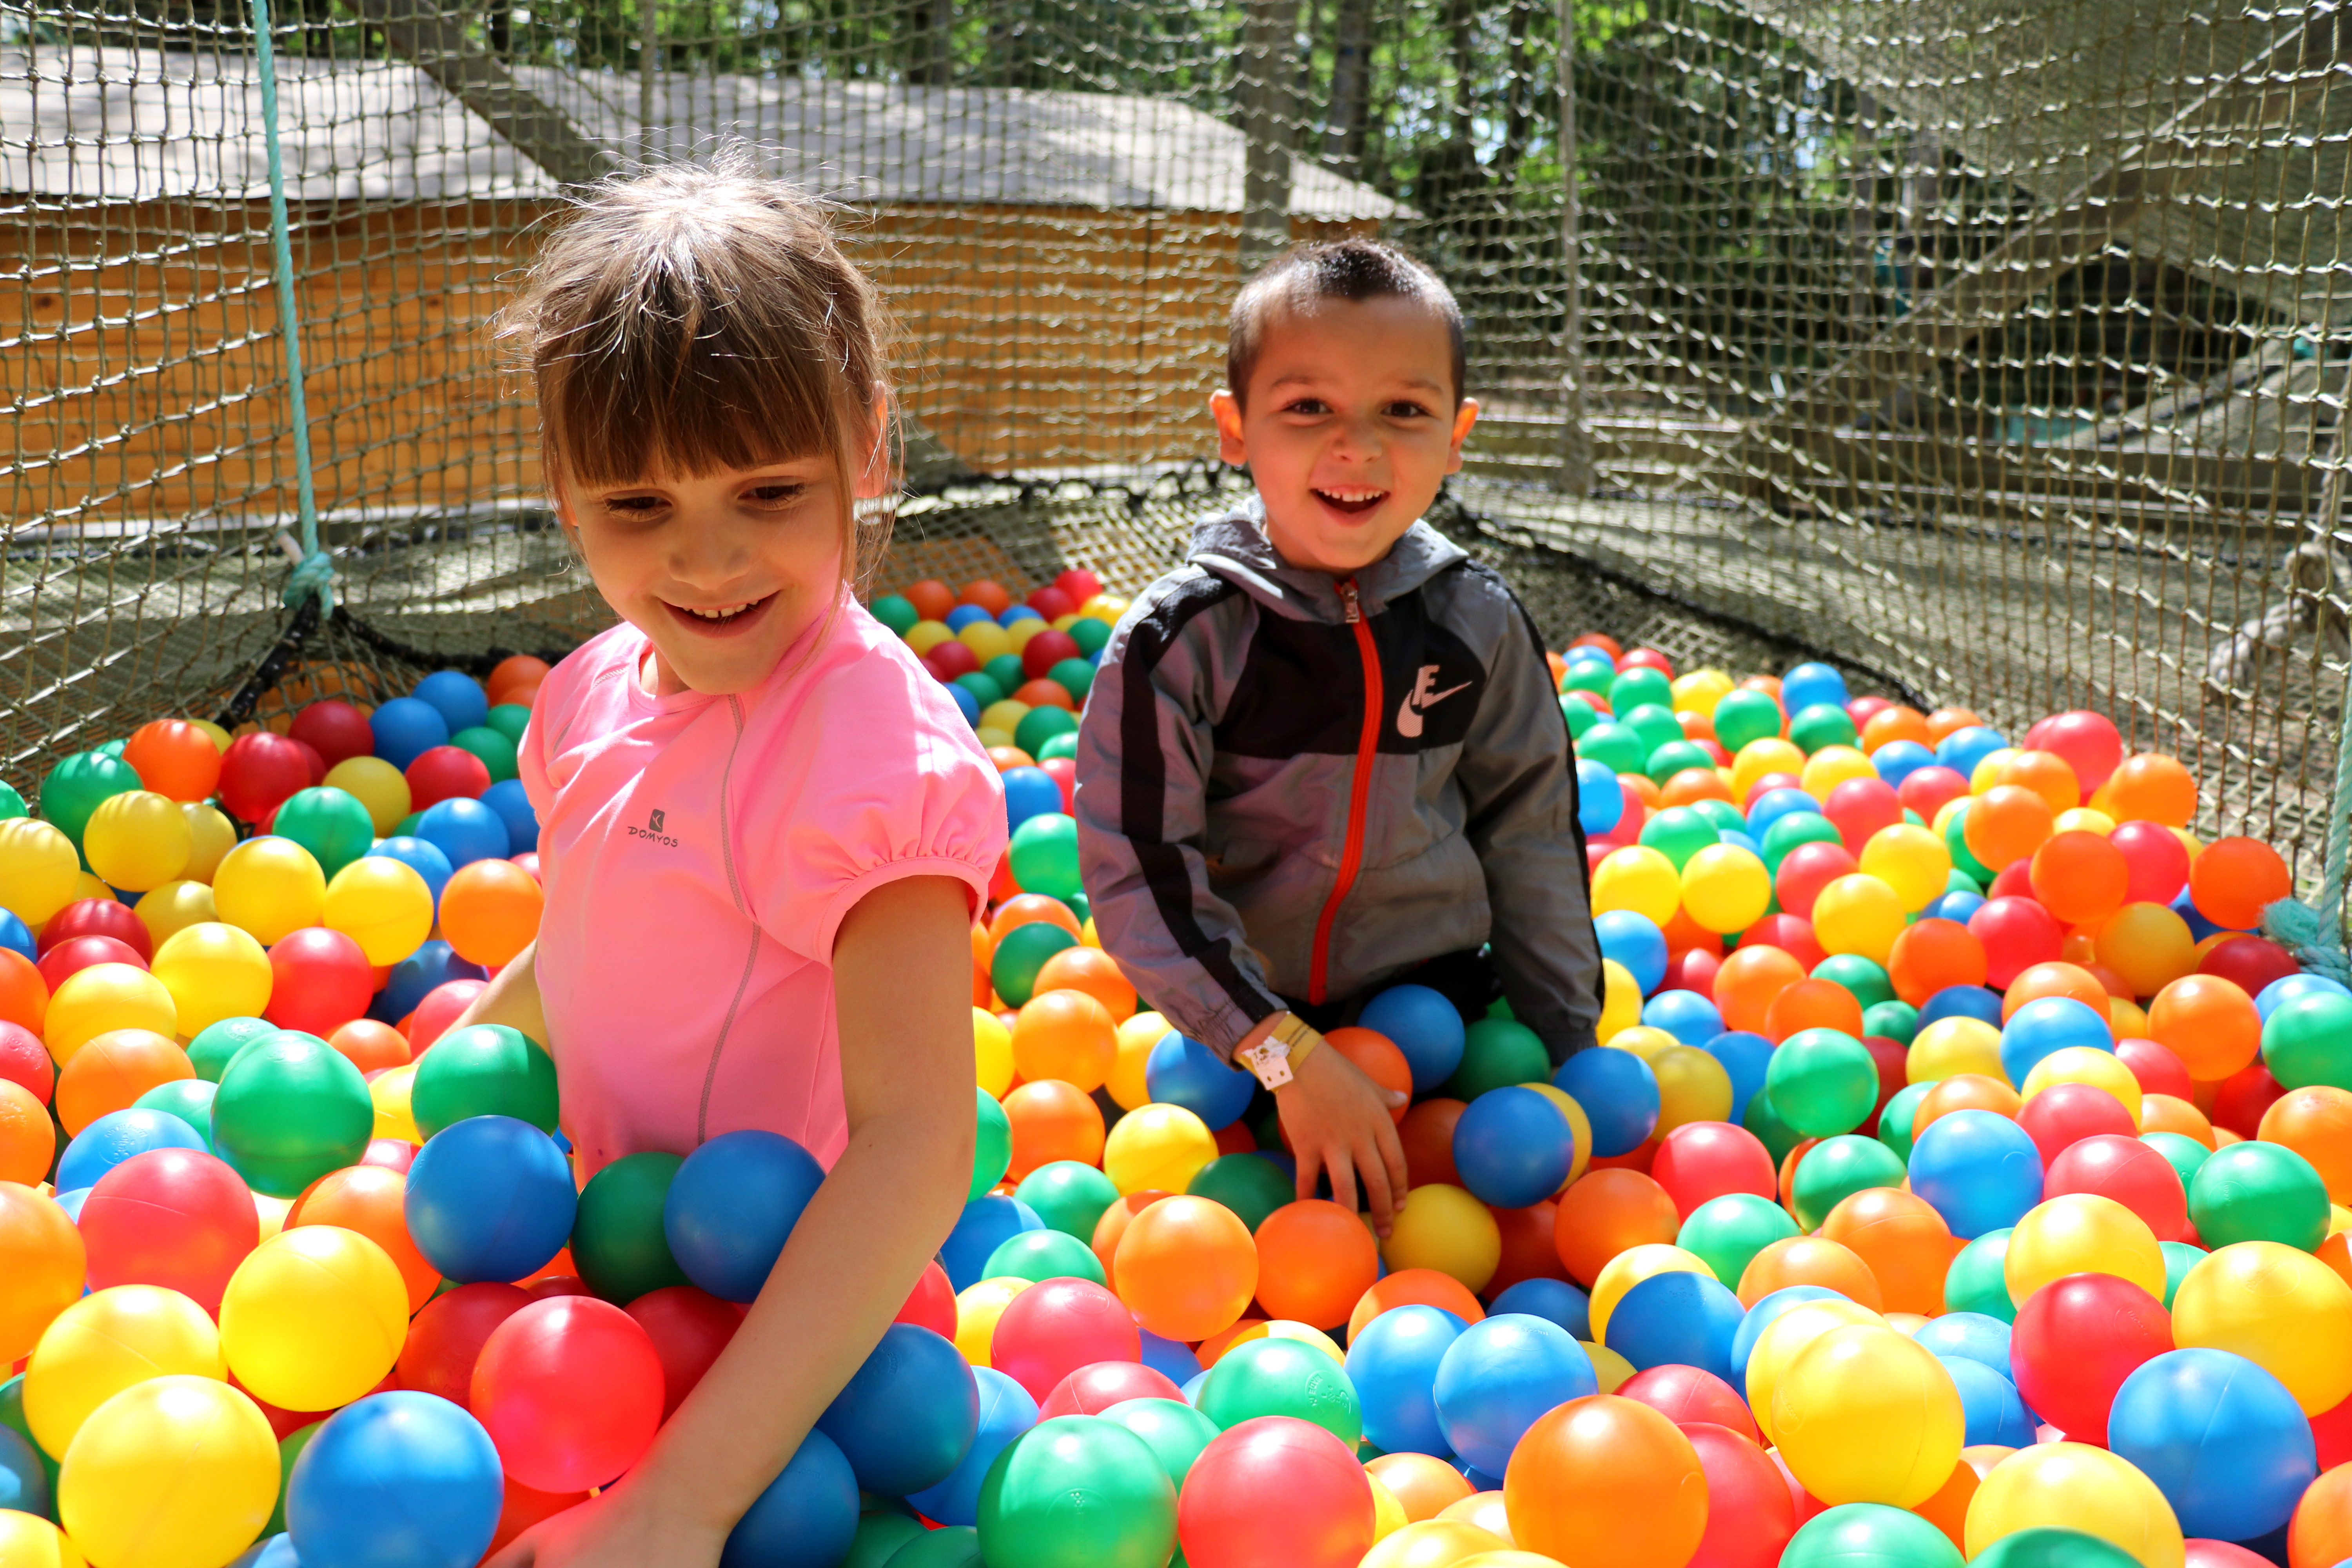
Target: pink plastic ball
<point>1055,1327</point>
<point>570,1389</point>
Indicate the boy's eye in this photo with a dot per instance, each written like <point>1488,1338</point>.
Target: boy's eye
<point>1306,405</point>
<point>1406,409</point>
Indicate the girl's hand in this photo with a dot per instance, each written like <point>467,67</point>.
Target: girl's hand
<point>621,1526</point>
<point>1337,1120</point>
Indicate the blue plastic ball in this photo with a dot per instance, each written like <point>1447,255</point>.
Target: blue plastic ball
<point>1962,750</point>
<point>986,1224</point>
<point>1555,1300</point>
<point>1600,798</point>
<point>17,938</point>
<point>2222,1438</point>
<point>1181,1070</point>
<point>1172,1359</point>
<point>399,1477</point>
<point>432,965</point>
<point>512,801</point>
<point>1990,1405</point>
<point>2285,989</point>
<point>465,831</point>
<point>1775,804</point>
<point>1898,760</point>
<point>1498,1376</point>
<point>1746,1058</point>
<point>1513,1148</point>
<point>115,1136</point>
<point>1005,1412</point>
<point>1957,905</point>
<point>1962,1002</point>
<point>2045,1025</point>
<point>1761,1316</point>
<point>1981,1172</point>
<point>1424,1026</point>
<point>1974,1335</point>
<point>1028,792</point>
<point>1634,941</point>
<point>1619,1094</point>
<point>1013,613</point>
<point>270,1551</point>
<point>2199,928</point>
<point>490,1197</point>
<point>966,703</point>
<point>908,1414</point>
<point>422,857</point>
<point>1683,1319</point>
<point>405,729</point>
<point>732,1204</point>
<point>24,1484</point>
<point>457,697</point>
<point>963,615</point>
<point>1807,685</point>
<point>1392,1360</point>
<point>806,1517</point>
<point>1686,1014</point>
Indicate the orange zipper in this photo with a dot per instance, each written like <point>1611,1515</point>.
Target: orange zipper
<point>1367,750</point>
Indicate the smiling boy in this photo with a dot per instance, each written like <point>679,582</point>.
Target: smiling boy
<point>1325,755</point>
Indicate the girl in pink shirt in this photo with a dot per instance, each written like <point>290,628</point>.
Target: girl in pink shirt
<point>764,828</point>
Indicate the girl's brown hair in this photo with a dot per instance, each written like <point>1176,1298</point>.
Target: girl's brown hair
<point>699,317</point>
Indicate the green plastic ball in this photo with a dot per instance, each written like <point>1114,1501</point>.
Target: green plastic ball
<point>1005,671</point>
<point>1068,1197</point>
<point>1821,725</point>
<point>1170,1428</point>
<point>1091,635</point>
<point>2048,1546</point>
<point>189,1099</point>
<point>12,805</point>
<point>216,1045</point>
<point>1895,1122</point>
<point>1062,745</point>
<point>1725,816</point>
<point>948,1546</point>
<point>1040,725</point>
<point>617,1241</point>
<point>1579,714</point>
<point>406,827</point>
<point>510,720</point>
<point>1075,676</point>
<point>1044,856</point>
<point>895,611</point>
<point>983,687</point>
<point>290,1448</point>
<point>1678,832</point>
<point>1042,1255</point>
<point>495,751</point>
<point>1869,1535</point>
<point>290,1109</point>
<point>12,1416</point>
<point>2307,1040</point>
<point>1864,979</point>
<point>1658,726</point>
<point>1613,746</point>
<point>1640,685</point>
<point>1012,968</point>
<point>1745,716</point>
<point>331,825</point>
<point>1078,1492</point>
<point>1678,756</point>
<point>78,785</point>
<point>1250,1186</point>
<point>1897,1021</point>
<point>1976,1281</point>
<point>1726,1232</point>
<point>1777,1136</point>
<point>1797,827</point>
<point>1963,860</point>
<point>1496,1054</point>
<point>1282,1377</point>
<point>1823,1082</point>
<point>1837,1168</point>
<point>992,1146</point>
<point>2179,1258</point>
<point>880,1537</point>
<point>483,1069</point>
<point>2258,1191</point>
<point>2182,1153</point>
<point>1589,675</point>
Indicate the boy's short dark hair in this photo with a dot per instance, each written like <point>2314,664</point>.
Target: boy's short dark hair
<point>1353,270</point>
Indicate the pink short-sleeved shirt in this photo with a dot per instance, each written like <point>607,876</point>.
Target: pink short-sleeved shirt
<point>699,853</point>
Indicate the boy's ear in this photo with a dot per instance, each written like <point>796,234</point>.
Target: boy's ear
<point>1226,410</point>
<point>1464,418</point>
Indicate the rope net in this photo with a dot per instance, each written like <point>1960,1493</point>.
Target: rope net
<point>1995,353</point>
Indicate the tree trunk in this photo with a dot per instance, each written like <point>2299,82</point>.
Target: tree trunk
<point>1575,444</point>
<point>1351,77</point>
<point>1268,115</point>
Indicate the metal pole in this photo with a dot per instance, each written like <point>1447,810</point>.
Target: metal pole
<point>1575,441</point>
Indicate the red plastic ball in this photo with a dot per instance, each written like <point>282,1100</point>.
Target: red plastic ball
<point>1805,870</point>
<point>2243,1095</point>
<point>70,958</point>
<point>2015,880</point>
<point>446,1337</point>
<point>2017,933</point>
<point>549,1285</point>
<point>1751,1510</point>
<point>2074,1341</point>
<point>1275,1490</point>
<point>2250,962</point>
<point>2159,861</point>
<point>1077,583</point>
<point>1051,603</point>
<point>1927,790</point>
<point>688,1328</point>
<point>440,1008</point>
<point>1054,1328</point>
<point>2331,1431</point>
<point>1860,807</point>
<point>1064,771</point>
<point>2157,1069</point>
<point>25,1060</point>
<point>2065,1113</point>
<point>319,980</point>
<point>175,1218</point>
<point>1647,658</point>
<point>1893,1060</point>
<point>260,769</point>
<point>1792,934</point>
<point>335,729</point>
<point>1046,649</point>
<point>2197,1552</point>
<point>1095,1388</point>
<point>97,917</point>
<point>951,658</point>
<point>931,1304</point>
<point>2119,1166</point>
<point>1686,1393</point>
<point>571,1392</point>
<point>445,773</point>
<point>2088,742</point>
<point>1766,784</point>
<point>1703,1160</point>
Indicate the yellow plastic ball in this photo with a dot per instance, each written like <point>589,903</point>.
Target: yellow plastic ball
<point>1700,691</point>
<point>88,887</point>
<point>991,1052</point>
<point>1087,935</point>
<point>1443,1227</point>
<point>2127,1020</point>
<point>2072,1486</point>
<point>1021,631</point>
<point>1786,1334</point>
<point>40,872</point>
<point>978,1306</point>
<point>271,1212</point>
<point>2147,945</point>
<point>178,1472</point>
<point>1771,754</point>
<point>1832,766</point>
<point>314,1317</point>
<point>1950,1046</point>
<point>1857,913</point>
<point>1639,879</point>
<point>1104,608</point>
<point>2086,1065</point>
<point>389,1092</point>
<point>1644,1040</point>
<point>1137,1036</point>
<point>220,737</point>
<point>1430,1543</point>
<point>1866,1415</point>
<point>1990,768</point>
<point>173,907</point>
<point>214,971</point>
<point>2282,1309</point>
<point>1629,1268</point>
<point>1957,807</point>
<point>925,636</point>
<point>375,784</point>
<point>270,887</point>
<point>986,639</point>
<point>211,835</point>
<point>1157,1148</point>
<point>1692,1087</point>
<point>1282,1328</point>
<point>27,1541</point>
<point>2083,819</point>
<point>1610,1368</point>
<point>1579,1126</point>
<point>2081,1233</point>
<point>105,1343</point>
<point>1005,716</point>
<point>992,739</point>
<point>138,840</point>
<point>1621,999</point>
<point>383,904</point>
<point>1725,889</point>
<point>1388,1514</point>
<point>1911,860</point>
<point>107,997</point>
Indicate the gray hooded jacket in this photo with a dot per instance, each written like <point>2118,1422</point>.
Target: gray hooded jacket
<point>1292,786</point>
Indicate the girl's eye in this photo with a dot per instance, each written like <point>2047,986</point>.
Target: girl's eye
<point>778,494</point>
<point>633,506</point>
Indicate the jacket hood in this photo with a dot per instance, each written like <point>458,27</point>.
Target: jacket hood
<point>1234,547</point>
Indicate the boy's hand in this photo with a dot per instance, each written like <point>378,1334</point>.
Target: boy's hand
<point>1337,1120</point>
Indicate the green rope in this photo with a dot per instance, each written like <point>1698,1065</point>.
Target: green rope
<point>2315,936</point>
<point>313,576</point>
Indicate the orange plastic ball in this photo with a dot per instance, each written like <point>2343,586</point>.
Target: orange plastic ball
<point>490,911</point>
<point>988,594</point>
<point>2080,877</point>
<point>23,995</point>
<point>2055,979</point>
<point>2151,787</point>
<point>1023,908</point>
<point>932,599</point>
<point>1692,785</point>
<point>2235,880</point>
<point>1812,1003</point>
<point>1948,1510</point>
<point>175,758</point>
<point>1052,1120</point>
<point>516,669</point>
<point>1749,982</point>
<point>45,1268</point>
<point>1422,1484</point>
<point>1065,1035</point>
<point>368,1199</point>
<point>1932,954</point>
<point>1414,1287</point>
<point>2047,775</point>
<point>29,1139</point>
<point>1948,722</point>
<point>1904,1243</point>
<point>1609,1211</point>
<point>1114,1223</point>
<point>1606,1482</point>
<point>2164,1113</point>
<point>2210,1023</point>
<point>1315,1260</point>
<point>1529,1251</point>
<point>1965,1091</point>
<point>1897,723</point>
<point>2147,945</point>
<point>1186,1267</point>
<point>111,1070</point>
<point>2316,1123</point>
<point>2320,1533</point>
<point>1811,1260</point>
<point>371,1043</point>
<point>2005,824</point>
<point>1092,971</point>
<point>1427,1134</point>
<point>1380,1060</point>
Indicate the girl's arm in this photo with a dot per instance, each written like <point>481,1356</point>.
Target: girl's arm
<point>510,998</point>
<point>902,982</point>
